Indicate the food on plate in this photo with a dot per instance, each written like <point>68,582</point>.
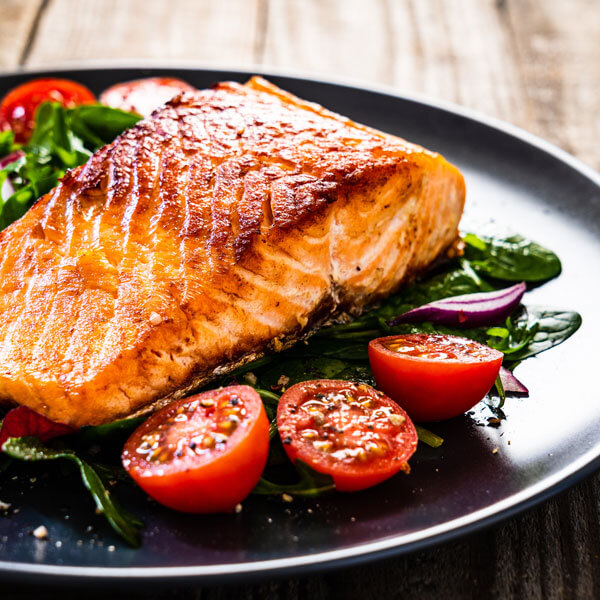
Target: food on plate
<point>225,227</point>
<point>231,223</point>
<point>349,431</point>
<point>142,96</point>
<point>18,107</point>
<point>468,310</point>
<point>24,422</point>
<point>201,454</point>
<point>432,376</point>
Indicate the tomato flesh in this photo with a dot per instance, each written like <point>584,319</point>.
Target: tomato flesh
<point>201,454</point>
<point>18,107</point>
<point>433,377</point>
<point>142,96</point>
<point>349,431</point>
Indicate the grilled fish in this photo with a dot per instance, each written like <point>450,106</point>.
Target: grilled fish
<point>228,224</point>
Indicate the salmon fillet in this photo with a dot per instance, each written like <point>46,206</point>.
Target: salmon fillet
<point>228,224</point>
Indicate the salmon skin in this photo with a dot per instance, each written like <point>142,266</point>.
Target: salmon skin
<point>230,223</point>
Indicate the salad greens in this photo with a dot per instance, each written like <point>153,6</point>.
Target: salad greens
<point>511,258</point>
<point>310,484</point>
<point>31,449</point>
<point>65,138</point>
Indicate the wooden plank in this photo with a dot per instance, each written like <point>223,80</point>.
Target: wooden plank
<point>452,50</point>
<point>348,38</point>
<point>208,31</point>
<point>17,22</point>
<point>535,64</point>
<point>456,51</point>
<point>558,53</point>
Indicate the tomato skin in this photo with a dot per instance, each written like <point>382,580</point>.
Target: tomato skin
<point>18,107</point>
<point>143,96</point>
<point>433,389</point>
<point>215,482</point>
<point>342,426</point>
<point>22,421</point>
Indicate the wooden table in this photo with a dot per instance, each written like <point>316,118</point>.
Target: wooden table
<point>535,63</point>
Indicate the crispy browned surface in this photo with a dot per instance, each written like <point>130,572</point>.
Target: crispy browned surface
<point>228,223</point>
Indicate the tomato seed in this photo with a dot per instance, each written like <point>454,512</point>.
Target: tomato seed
<point>323,446</point>
<point>396,419</point>
<point>227,426</point>
<point>318,417</point>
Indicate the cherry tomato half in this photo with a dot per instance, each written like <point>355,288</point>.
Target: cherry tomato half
<point>434,377</point>
<point>201,454</point>
<point>17,109</point>
<point>142,96</point>
<point>349,431</point>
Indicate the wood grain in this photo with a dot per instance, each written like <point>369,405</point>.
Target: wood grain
<point>17,25</point>
<point>215,31</point>
<point>535,63</point>
<point>529,62</point>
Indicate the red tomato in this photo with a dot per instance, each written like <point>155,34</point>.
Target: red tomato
<point>201,454</point>
<point>22,421</point>
<point>17,109</point>
<point>347,430</point>
<point>434,377</point>
<point>142,96</point>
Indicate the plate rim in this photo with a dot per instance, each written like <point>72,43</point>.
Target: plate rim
<point>575,471</point>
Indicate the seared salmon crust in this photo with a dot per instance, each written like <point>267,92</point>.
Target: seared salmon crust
<point>228,224</point>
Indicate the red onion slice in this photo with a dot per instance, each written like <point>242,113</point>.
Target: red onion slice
<point>511,384</point>
<point>469,310</point>
<point>9,158</point>
<point>7,190</point>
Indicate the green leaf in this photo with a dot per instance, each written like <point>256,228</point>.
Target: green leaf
<point>103,122</point>
<point>513,338</point>
<point>310,484</point>
<point>552,327</point>
<point>7,143</point>
<point>63,138</point>
<point>512,258</point>
<point>31,449</point>
<point>500,389</point>
<point>106,433</point>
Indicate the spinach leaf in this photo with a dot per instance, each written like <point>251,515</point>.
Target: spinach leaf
<point>103,434</point>
<point>310,484</point>
<point>511,258</point>
<point>101,122</point>
<point>7,143</point>
<point>63,138</point>
<point>31,449</point>
<point>552,327</point>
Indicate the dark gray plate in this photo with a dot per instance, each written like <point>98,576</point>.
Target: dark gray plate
<point>548,442</point>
